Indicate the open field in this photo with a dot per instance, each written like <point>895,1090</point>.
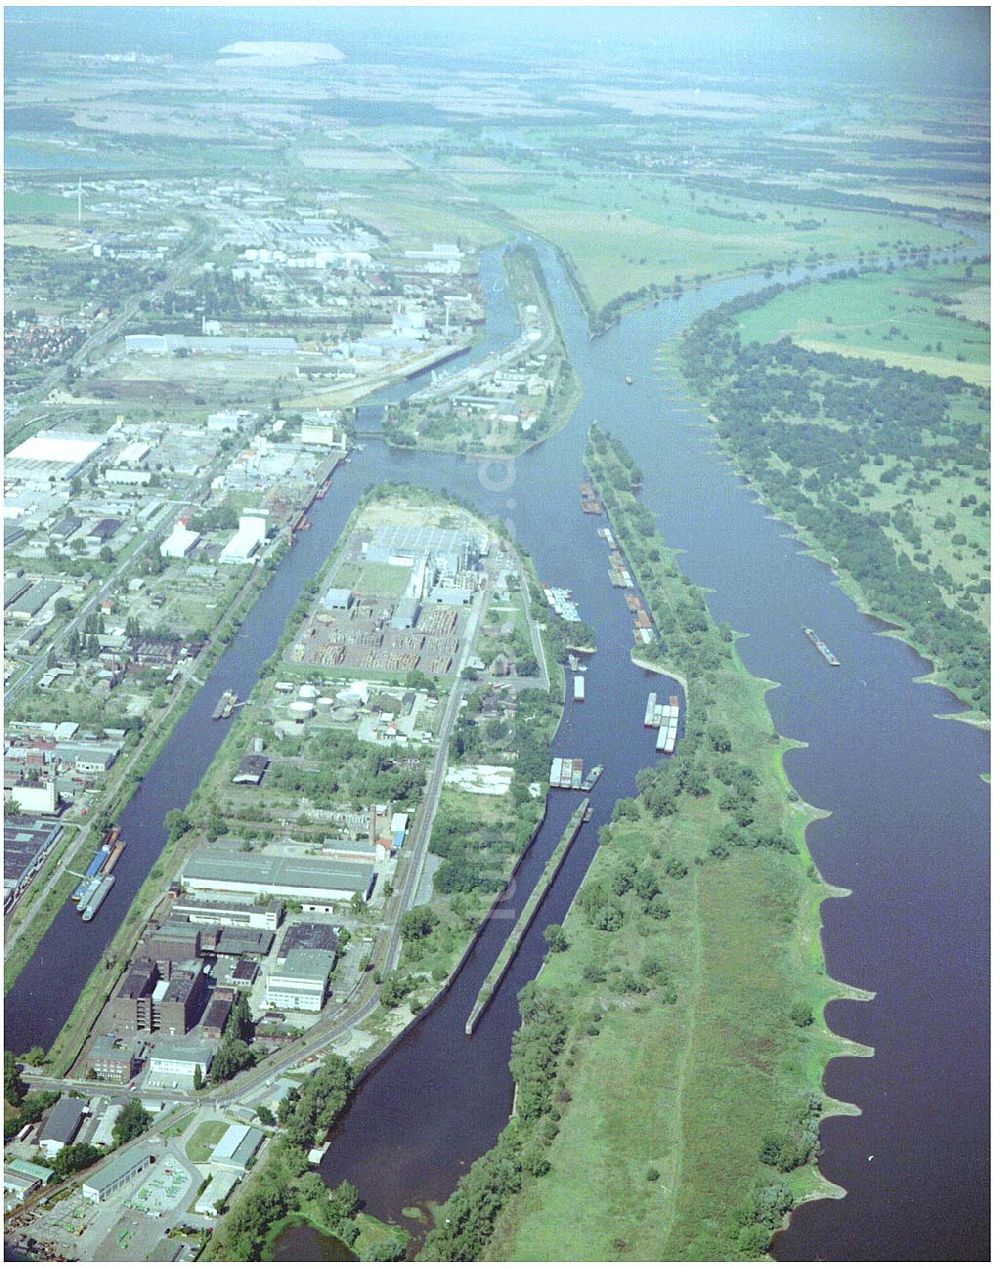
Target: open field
<point>626,233</point>
<point>204,1139</point>
<point>918,319</point>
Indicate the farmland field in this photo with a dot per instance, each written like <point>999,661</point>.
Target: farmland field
<point>918,319</point>
<point>623,233</point>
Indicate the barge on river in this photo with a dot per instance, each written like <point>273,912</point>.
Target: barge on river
<point>226,704</point>
<point>94,902</point>
<point>820,646</point>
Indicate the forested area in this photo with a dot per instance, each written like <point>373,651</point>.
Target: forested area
<point>807,428</point>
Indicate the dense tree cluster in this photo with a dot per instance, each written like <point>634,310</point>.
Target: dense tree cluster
<point>132,1122</point>
<point>804,425</point>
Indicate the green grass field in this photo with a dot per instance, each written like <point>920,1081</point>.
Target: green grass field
<point>383,579</point>
<point>204,1139</point>
<point>898,317</point>
<point>623,234</point>
<point>18,204</point>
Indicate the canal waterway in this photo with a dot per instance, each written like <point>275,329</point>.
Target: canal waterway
<point>908,833</point>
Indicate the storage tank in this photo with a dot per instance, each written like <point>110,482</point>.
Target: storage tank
<point>325,703</point>
<point>307,692</point>
<point>301,709</point>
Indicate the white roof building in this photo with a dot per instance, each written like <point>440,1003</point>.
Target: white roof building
<point>47,447</point>
<point>301,984</point>
<point>180,543</point>
<point>242,546</point>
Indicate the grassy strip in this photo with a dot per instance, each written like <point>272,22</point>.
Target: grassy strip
<point>506,955</point>
<point>683,1104</point>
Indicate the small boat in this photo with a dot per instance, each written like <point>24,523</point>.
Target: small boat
<point>628,380</point>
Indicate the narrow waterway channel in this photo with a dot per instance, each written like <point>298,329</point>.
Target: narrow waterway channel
<point>908,834</point>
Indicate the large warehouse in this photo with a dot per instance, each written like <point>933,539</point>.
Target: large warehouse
<point>245,873</point>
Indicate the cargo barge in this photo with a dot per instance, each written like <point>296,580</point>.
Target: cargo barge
<point>101,892</point>
<point>578,687</point>
<point>566,773</point>
<point>226,704</point>
<point>820,646</point>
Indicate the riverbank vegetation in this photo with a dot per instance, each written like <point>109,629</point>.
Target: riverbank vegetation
<point>684,1040</point>
<point>284,1190</point>
<point>884,469</point>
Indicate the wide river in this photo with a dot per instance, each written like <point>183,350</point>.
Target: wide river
<point>908,833</point>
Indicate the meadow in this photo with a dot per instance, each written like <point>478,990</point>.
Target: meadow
<point>624,232</point>
<point>917,319</point>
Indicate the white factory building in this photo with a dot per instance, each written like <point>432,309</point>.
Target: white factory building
<point>293,877</point>
<point>180,543</point>
<point>242,546</point>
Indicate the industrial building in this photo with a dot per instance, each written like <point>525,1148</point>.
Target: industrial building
<point>213,1198</point>
<point>33,600</point>
<point>180,543</point>
<point>252,769</point>
<point>50,455</point>
<point>295,878</point>
<point>236,1148</point>
<point>338,597</point>
<point>26,844</point>
<point>170,942</point>
<point>20,1177</point>
<point>301,983</point>
<point>123,1167</point>
<point>242,546</point>
<point>62,1125</point>
<point>450,550</point>
<point>310,935</point>
<point>218,344</point>
<point>251,916</point>
<point>215,1017</point>
<point>117,1064</point>
<point>147,1002</point>
<point>177,1061</point>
